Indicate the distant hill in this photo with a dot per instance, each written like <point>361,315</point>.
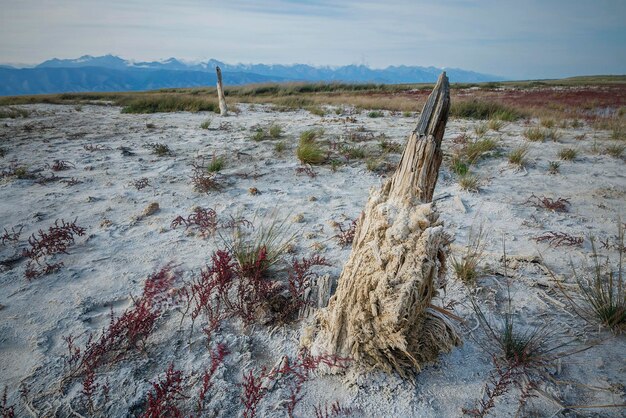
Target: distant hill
<point>15,82</point>
<point>112,73</point>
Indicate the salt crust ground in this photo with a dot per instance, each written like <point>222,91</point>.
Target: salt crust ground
<point>110,264</point>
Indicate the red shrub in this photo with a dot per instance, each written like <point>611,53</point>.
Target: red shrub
<point>336,410</point>
<point>55,241</point>
<point>167,393</point>
<point>125,332</point>
<point>294,374</point>
<point>6,410</point>
<point>205,220</point>
<point>61,165</point>
<point>346,234</point>
<point>217,358</point>
<point>13,236</point>
<point>299,282</point>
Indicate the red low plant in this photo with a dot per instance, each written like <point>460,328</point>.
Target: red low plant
<point>308,170</point>
<point>61,165</point>
<point>203,219</point>
<point>167,393</point>
<point>556,205</point>
<point>299,282</point>
<point>13,236</point>
<point>346,234</point>
<point>126,332</point>
<point>56,240</point>
<point>336,410</point>
<point>6,410</point>
<point>558,239</point>
<point>293,373</point>
<point>217,358</point>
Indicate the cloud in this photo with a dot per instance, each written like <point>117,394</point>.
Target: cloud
<point>512,38</point>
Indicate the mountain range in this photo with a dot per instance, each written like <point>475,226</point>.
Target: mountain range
<point>112,73</point>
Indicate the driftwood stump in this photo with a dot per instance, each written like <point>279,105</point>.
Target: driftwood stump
<point>381,314</point>
<point>220,93</point>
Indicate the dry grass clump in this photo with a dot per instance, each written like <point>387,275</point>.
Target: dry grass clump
<point>466,266</point>
<point>206,124</point>
<point>280,146</point>
<point>481,129</point>
<point>482,109</point>
<point>535,134</point>
<point>568,154</point>
<point>159,149</point>
<point>316,110</point>
<point>157,103</point>
<point>389,146</point>
<point>469,182</point>
<point>275,131</point>
<point>602,289</point>
<point>375,114</point>
<point>518,156</point>
<point>495,124</point>
<point>547,123</point>
<point>552,134</point>
<point>615,150</point>
<point>553,167</point>
<point>473,151</point>
<point>13,113</point>
<point>309,151</point>
<point>216,164</point>
<point>257,249</point>
<point>353,152</point>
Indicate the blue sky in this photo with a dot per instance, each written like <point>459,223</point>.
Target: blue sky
<point>511,38</point>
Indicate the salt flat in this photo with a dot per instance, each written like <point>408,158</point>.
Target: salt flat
<point>106,268</point>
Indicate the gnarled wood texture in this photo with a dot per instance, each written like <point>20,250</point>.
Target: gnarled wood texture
<point>380,314</point>
<point>220,93</point>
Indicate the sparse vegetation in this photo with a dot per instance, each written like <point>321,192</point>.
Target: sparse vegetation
<point>168,103</point>
<point>159,149</point>
<point>280,146</point>
<point>275,131</point>
<point>555,205</point>
<point>206,124</point>
<point>473,151</point>
<point>353,152</point>
<point>615,151</point>
<point>518,156</point>
<point>469,182</point>
<point>535,134</point>
<point>547,123</point>
<point>375,114</point>
<point>481,109</point>
<point>13,113</point>
<point>216,164</point>
<point>316,110</point>
<point>309,151</point>
<point>481,129</point>
<point>553,167</point>
<point>56,240</point>
<point>495,124</point>
<point>466,265</point>
<point>568,154</point>
<point>603,290</point>
<point>552,134</point>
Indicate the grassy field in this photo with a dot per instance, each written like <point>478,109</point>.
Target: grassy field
<point>591,98</point>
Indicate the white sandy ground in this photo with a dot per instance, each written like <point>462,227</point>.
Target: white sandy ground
<point>109,264</point>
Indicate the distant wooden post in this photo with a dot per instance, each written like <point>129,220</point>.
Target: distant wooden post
<point>381,313</point>
<point>220,93</point>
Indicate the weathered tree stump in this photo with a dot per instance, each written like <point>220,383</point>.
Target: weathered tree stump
<point>220,93</point>
<point>381,314</point>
